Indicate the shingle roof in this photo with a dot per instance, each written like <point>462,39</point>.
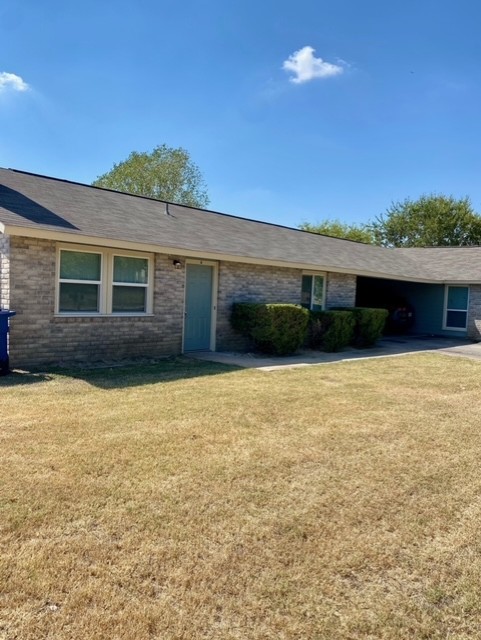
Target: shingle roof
<point>33,202</point>
<point>447,264</point>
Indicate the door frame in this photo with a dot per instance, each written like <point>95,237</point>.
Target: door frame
<point>213,310</point>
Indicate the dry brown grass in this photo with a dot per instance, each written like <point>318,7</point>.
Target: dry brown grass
<point>341,501</point>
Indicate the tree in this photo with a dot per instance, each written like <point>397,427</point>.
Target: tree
<point>167,173</point>
<point>431,220</point>
<point>337,229</point>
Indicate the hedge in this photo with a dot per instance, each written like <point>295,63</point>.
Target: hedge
<point>369,325</point>
<point>330,330</point>
<point>279,329</point>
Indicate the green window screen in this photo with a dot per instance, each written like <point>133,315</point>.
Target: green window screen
<point>306,291</point>
<point>458,298</point>
<point>75,265</point>
<point>129,299</point>
<point>78,297</point>
<point>131,270</point>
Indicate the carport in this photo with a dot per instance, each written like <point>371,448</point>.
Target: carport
<point>426,300</point>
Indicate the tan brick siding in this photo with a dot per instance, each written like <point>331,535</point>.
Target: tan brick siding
<point>474,312</point>
<point>341,290</point>
<point>4,271</point>
<point>251,283</point>
<point>256,283</point>
<point>38,337</point>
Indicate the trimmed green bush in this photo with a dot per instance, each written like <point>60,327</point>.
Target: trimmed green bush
<point>330,330</point>
<point>369,325</point>
<point>246,316</point>
<point>279,329</point>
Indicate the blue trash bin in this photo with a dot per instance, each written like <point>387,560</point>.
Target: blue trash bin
<point>4,317</point>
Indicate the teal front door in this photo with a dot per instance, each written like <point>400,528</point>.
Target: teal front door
<point>199,280</point>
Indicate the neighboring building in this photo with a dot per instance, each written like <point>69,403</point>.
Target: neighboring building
<point>96,274</point>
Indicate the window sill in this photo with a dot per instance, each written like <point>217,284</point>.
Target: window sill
<point>103,315</point>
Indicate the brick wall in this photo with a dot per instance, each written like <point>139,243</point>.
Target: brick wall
<point>474,312</point>
<point>251,283</point>
<point>341,290</point>
<point>256,283</point>
<point>4,271</point>
<point>37,337</point>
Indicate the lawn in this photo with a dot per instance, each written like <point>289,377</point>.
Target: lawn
<point>188,500</point>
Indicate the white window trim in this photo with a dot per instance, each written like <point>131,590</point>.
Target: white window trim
<point>147,286</point>
<point>323,275</point>
<point>446,309</point>
<point>106,283</point>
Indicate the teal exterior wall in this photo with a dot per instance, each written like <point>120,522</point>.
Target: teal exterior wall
<point>426,299</point>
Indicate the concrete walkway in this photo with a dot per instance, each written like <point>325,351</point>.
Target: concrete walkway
<point>387,347</point>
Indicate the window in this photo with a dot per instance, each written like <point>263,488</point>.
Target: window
<point>312,292</point>
<point>130,282</point>
<point>103,282</point>
<point>456,307</point>
<point>80,279</point>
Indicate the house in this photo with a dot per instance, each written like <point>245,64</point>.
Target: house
<point>97,274</point>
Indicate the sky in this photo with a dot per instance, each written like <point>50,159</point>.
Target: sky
<point>292,111</point>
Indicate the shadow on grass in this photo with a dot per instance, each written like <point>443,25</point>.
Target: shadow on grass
<point>123,376</point>
<point>20,378</point>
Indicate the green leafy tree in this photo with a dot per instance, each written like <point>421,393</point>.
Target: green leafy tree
<point>430,221</point>
<point>167,173</point>
<point>338,229</point>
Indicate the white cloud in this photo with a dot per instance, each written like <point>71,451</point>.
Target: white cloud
<point>305,66</point>
<point>12,82</point>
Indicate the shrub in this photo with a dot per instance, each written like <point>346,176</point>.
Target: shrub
<point>246,316</point>
<point>331,330</point>
<point>279,329</point>
<point>369,325</point>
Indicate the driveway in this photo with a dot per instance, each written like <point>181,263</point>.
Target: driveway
<point>387,347</point>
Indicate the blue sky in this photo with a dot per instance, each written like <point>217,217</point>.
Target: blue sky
<point>292,111</point>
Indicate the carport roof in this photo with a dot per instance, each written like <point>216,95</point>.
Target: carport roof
<point>46,207</point>
<point>446,264</point>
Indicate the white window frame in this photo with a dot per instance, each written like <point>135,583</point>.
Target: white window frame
<point>146,286</point>
<point>106,283</point>
<point>446,308</point>
<point>320,274</point>
<point>60,281</point>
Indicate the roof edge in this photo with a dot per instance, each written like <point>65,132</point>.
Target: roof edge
<point>186,206</point>
<point>78,238</point>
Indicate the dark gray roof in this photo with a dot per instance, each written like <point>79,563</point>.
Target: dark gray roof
<point>49,204</point>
